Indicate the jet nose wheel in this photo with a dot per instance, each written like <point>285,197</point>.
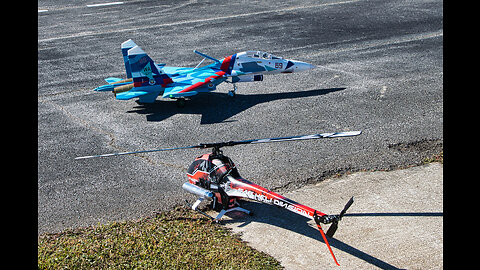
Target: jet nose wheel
<point>231,93</point>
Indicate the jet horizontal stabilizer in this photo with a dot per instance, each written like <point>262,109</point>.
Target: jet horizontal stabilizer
<point>206,56</point>
<point>112,80</point>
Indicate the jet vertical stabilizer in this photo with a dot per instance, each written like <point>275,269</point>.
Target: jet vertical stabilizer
<point>127,45</point>
<point>145,72</point>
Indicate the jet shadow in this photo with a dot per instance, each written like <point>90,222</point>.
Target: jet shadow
<point>218,107</point>
<point>285,219</point>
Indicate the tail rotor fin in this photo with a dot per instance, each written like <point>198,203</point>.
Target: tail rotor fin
<point>334,219</point>
<point>316,218</point>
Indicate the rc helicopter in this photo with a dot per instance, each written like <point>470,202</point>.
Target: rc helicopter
<point>214,177</point>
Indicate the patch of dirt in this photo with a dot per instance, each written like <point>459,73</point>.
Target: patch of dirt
<point>421,146</point>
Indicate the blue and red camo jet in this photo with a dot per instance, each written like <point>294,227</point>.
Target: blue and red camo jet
<point>146,80</point>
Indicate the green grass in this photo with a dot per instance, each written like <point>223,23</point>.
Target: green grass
<point>178,239</point>
<point>434,158</point>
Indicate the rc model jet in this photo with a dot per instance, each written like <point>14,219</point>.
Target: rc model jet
<point>147,80</point>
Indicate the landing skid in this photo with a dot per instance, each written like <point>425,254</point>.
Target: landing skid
<point>221,213</point>
<point>238,208</point>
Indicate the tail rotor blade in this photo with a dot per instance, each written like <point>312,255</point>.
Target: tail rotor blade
<point>333,228</point>
<point>349,203</point>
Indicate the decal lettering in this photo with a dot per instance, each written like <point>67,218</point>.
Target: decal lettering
<point>142,60</point>
<point>278,65</point>
<point>147,71</point>
<point>262,198</point>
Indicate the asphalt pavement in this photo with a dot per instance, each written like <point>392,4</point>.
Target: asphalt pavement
<point>379,70</point>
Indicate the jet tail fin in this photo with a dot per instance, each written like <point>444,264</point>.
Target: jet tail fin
<point>144,71</point>
<point>127,45</point>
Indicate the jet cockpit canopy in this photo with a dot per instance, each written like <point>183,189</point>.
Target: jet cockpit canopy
<point>262,55</point>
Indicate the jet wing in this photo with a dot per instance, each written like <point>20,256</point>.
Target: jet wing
<point>186,82</point>
<point>191,82</point>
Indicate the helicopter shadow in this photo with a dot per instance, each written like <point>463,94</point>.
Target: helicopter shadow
<point>285,219</point>
<point>218,107</point>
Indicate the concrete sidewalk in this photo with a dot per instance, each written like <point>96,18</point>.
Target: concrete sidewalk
<point>396,222</point>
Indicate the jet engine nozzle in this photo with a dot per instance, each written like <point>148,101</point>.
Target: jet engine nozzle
<point>123,88</point>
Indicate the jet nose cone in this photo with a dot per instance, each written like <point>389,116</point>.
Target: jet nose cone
<point>301,66</point>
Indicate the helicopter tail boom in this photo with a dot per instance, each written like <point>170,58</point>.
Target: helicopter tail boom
<point>244,188</point>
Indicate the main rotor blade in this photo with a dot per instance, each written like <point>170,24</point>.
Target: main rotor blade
<point>232,143</point>
<point>139,152</point>
<point>308,137</point>
<point>283,139</point>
